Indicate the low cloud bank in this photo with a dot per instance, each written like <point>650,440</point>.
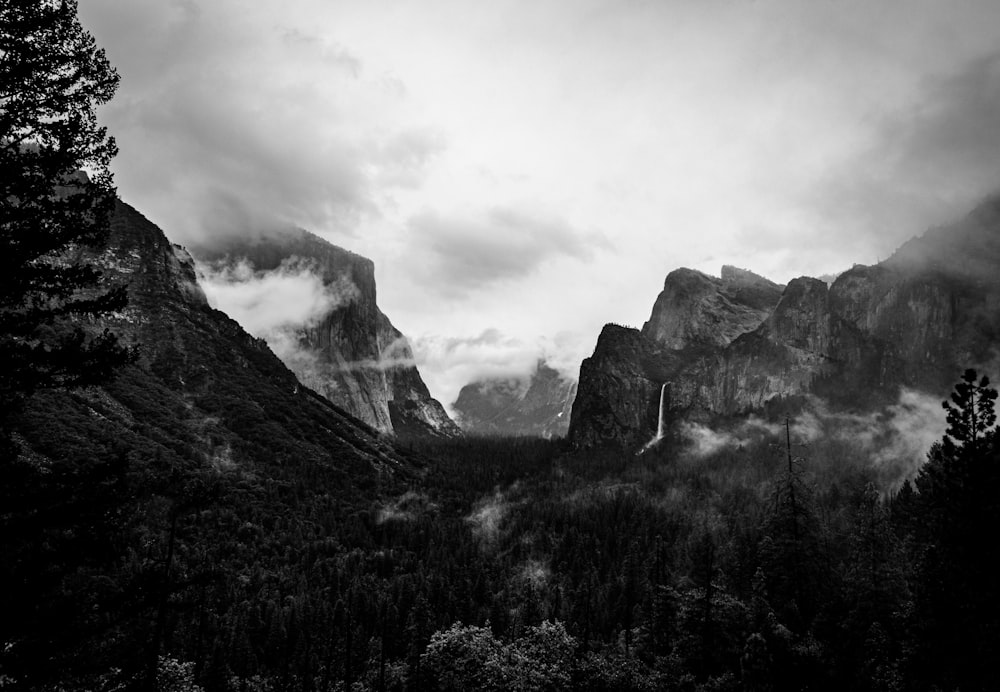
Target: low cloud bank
<point>272,305</point>
<point>488,514</point>
<point>704,441</point>
<point>449,363</point>
<point>409,506</point>
<point>397,354</point>
<point>536,573</point>
<point>895,440</point>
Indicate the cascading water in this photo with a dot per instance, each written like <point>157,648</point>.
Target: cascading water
<point>659,423</point>
<point>660,426</point>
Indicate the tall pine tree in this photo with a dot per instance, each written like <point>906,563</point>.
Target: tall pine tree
<point>958,594</point>
<point>56,196</point>
<point>58,517</point>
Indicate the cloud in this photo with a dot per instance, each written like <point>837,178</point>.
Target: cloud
<point>402,158</point>
<point>397,354</point>
<point>273,305</point>
<point>668,126</point>
<point>488,513</point>
<point>895,440</point>
<point>409,506</point>
<point>292,295</point>
<point>471,250</point>
<point>912,425</point>
<point>448,363</point>
<point>535,573</point>
<point>226,127</point>
<point>704,441</point>
<point>925,164</point>
<point>951,142</point>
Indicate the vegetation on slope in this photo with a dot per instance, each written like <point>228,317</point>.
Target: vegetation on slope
<point>518,564</point>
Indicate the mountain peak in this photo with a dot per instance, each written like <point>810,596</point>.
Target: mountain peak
<point>743,277</point>
<point>350,353</point>
<point>968,248</point>
<point>695,309</point>
<point>537,405</point>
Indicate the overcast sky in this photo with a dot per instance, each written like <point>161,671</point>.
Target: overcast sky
<point>523,172</point>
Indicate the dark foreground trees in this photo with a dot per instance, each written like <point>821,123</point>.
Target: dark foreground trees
<point>517,564</point>
<point>52,78</point>
<point>59,516</point>
<point>957,528</point>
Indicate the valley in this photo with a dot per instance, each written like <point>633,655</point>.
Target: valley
<point>575,458</point>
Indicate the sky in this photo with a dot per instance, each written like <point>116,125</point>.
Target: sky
<point>522,172</point>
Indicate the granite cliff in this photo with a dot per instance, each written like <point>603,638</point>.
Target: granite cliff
<point>695,317</point>
<point>352,354</point>
<point>203,393</point>
<point>740,343</point>
<point>537,405</point>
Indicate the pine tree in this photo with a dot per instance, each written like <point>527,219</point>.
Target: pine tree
<point>52,78</point>
<point>959,517</point>
<point>59,523</point>
<point>790,548</point>
<point>970,412</point>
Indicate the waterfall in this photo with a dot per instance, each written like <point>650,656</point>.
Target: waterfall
<point>659,423</point>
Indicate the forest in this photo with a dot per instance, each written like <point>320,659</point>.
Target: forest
<point>516,564</point>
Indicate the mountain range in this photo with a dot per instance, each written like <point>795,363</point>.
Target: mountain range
<point>739,344</point>
<point>712,346</point>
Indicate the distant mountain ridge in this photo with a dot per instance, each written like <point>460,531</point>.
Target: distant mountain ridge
<point>538,405</point>
<point>352,355</point>
<point>740,343</point>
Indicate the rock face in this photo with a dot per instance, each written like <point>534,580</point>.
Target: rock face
<point>203,393</point>
<point>539,405</point>
<point>352,354</point>
<point>693,320</point>
<point>739,343</point>
<point>699,310</point>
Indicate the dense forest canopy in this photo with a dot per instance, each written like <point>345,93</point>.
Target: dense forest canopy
<point>522,564</point>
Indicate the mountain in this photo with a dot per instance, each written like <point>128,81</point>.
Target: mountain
<point>699,310</point>
<point>351,354</point>
<point>538,405</point>
<point>201,483</point>
<point>739,343</point>
<point>203,392</point>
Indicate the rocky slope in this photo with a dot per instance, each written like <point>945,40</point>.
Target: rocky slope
<point>699,310</point>
<point>538,405</point>
<point>352,354</point>
<point>203,393</point>
<point>739,343</point>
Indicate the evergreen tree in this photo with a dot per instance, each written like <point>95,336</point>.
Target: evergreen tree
<point>971,413</point>
<point>52,78</point>
<point>958,594</point>
<point>790,549</point>
<point>59,521</point>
